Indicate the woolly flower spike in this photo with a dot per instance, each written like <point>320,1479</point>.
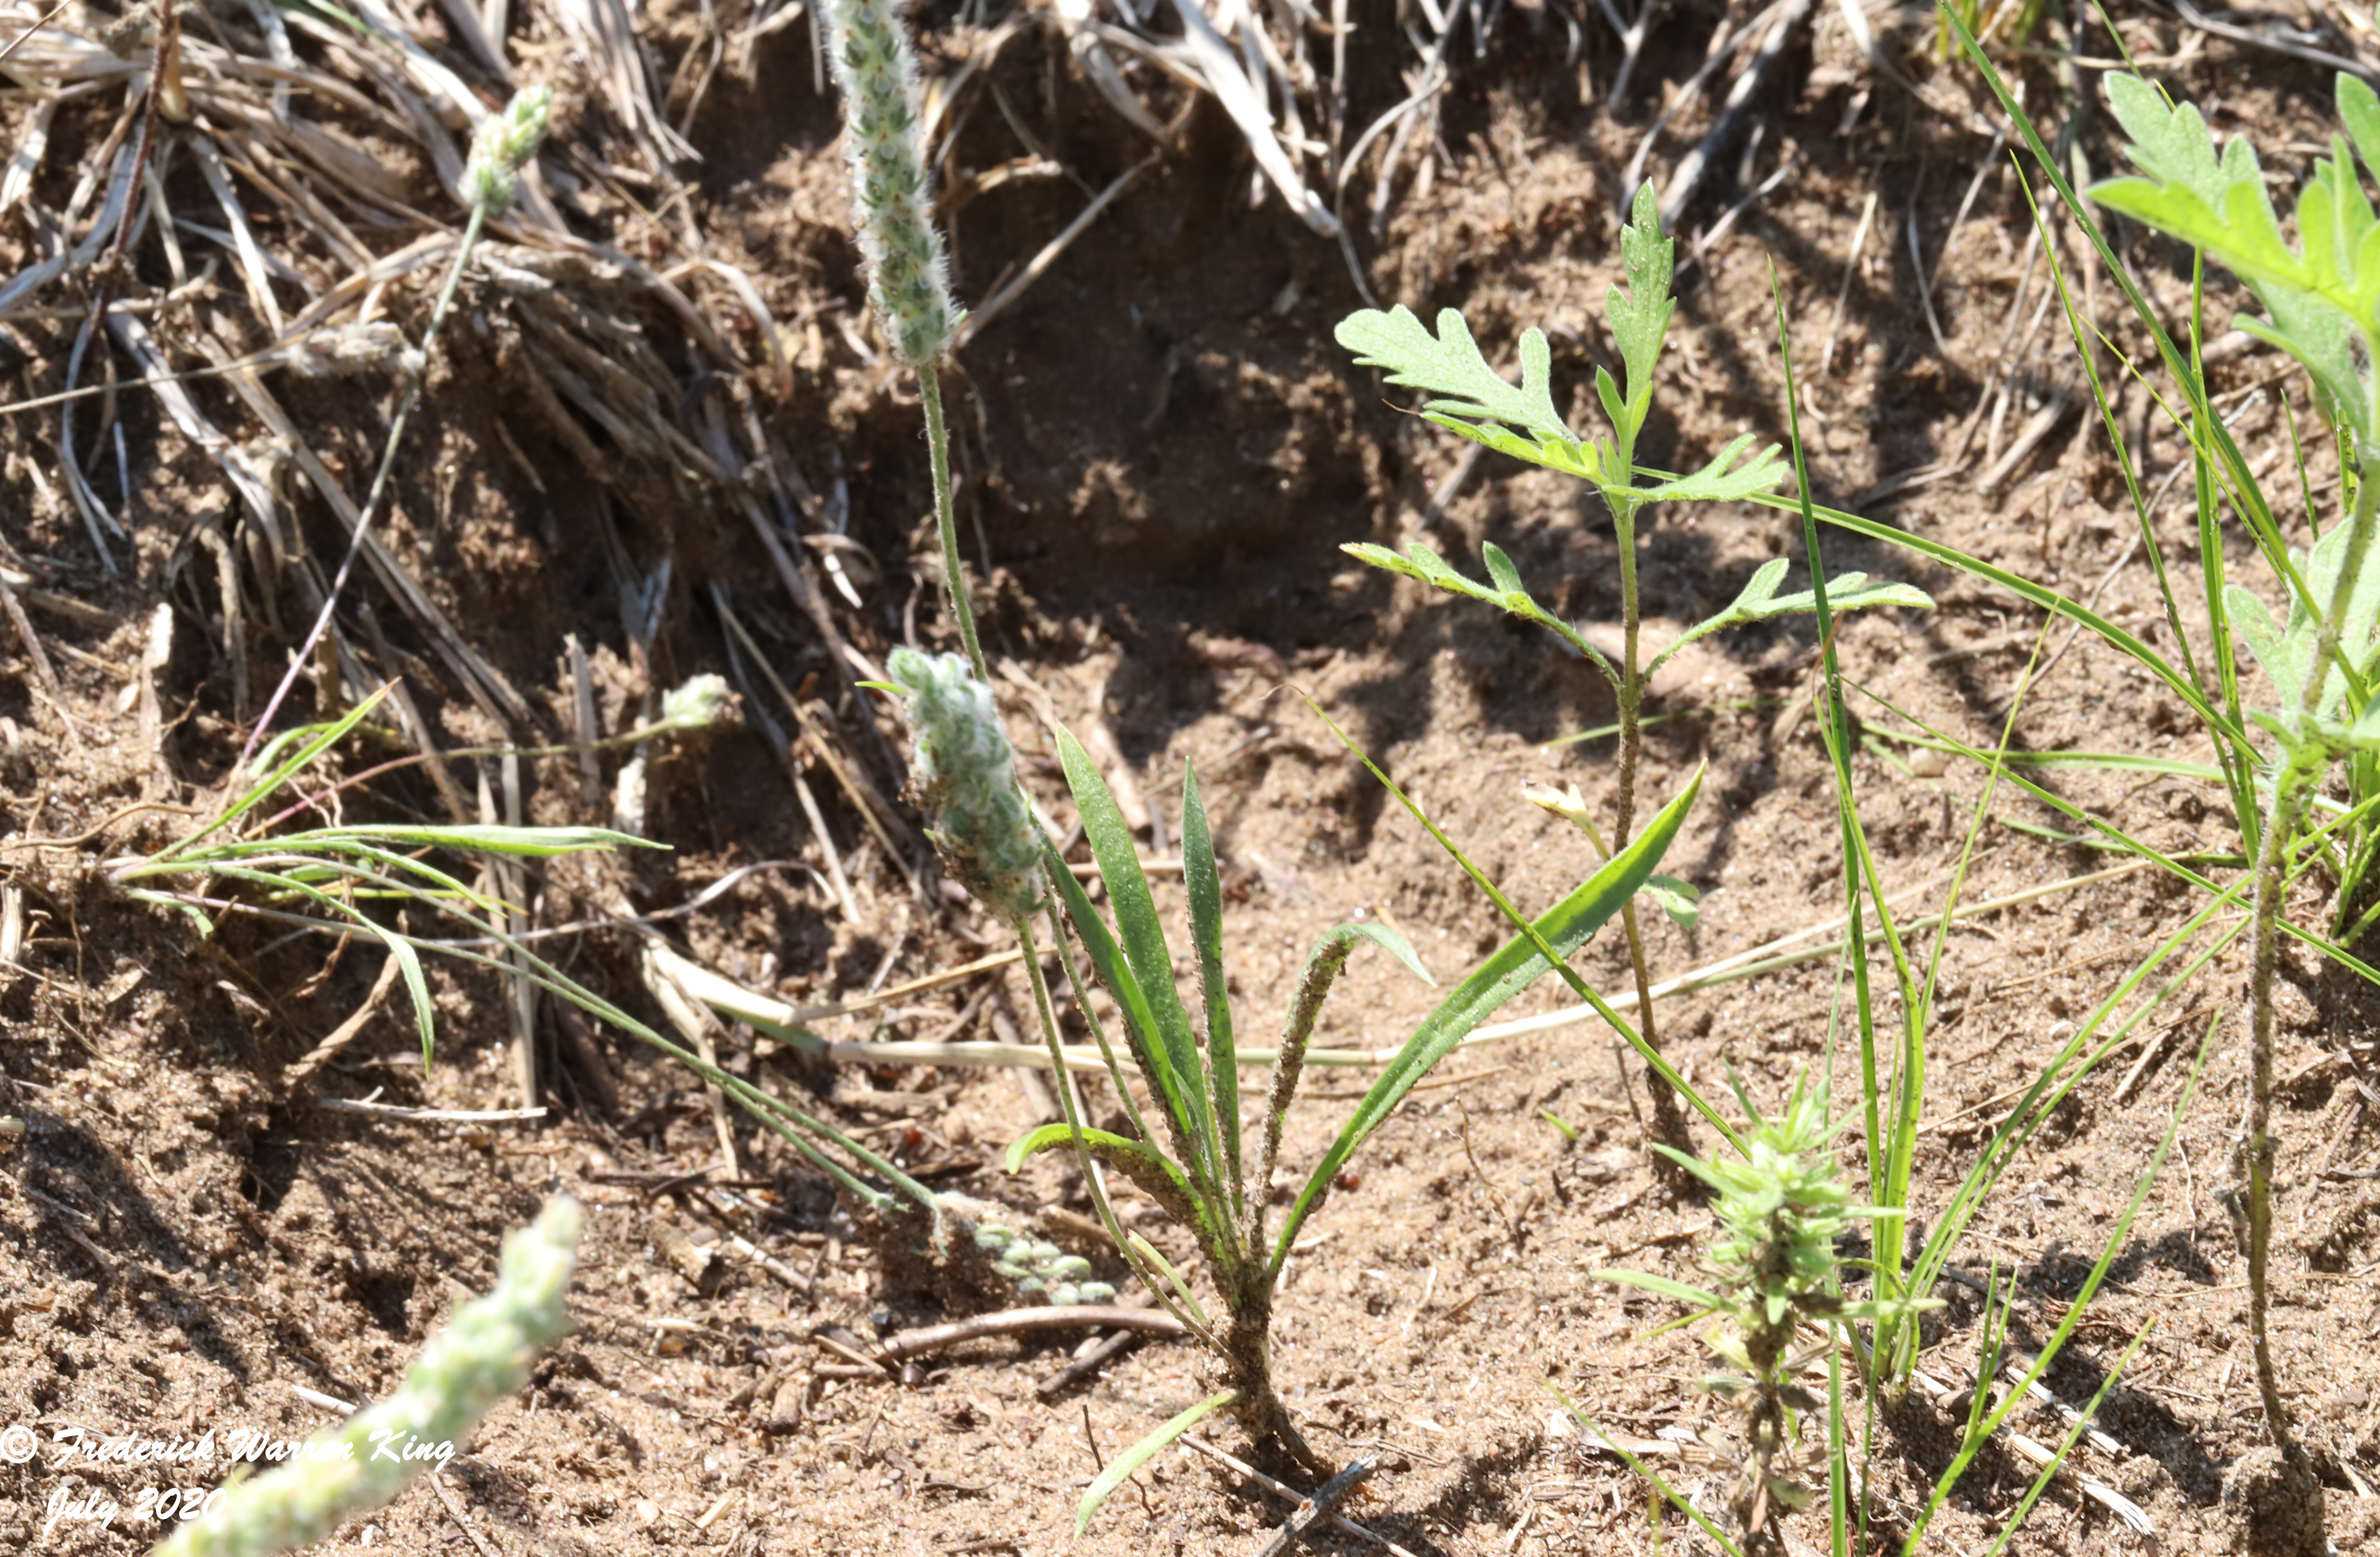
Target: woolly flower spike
<point>504,143</point>
<point>908,278</point>
<point>478,1358</point>
<point>966,780</point>
<point>700,703</point>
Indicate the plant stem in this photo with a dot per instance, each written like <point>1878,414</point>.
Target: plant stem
<point>1668,1121</point>
<point>955,584</point>
<point>371,509</point>
<point>2302,760</point>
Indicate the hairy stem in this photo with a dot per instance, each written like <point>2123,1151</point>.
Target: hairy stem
<point>1096,1187</point>
<point>2303,763</point>
<point>1669,1120</point>
<point>2291,784</point>
<point>946,520</point>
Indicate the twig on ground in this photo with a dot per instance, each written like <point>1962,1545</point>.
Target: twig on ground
<point>1322,1505</point>
<point>346,1032</point>
<point>1019,1321</point>
<point>426,1115</point>
<point>1282,1489</point>
<point>1106,1350</point>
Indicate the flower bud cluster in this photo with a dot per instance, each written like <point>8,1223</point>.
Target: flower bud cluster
<point>966,780</point>
<point>504,143</point>
<point>1040,1269</point>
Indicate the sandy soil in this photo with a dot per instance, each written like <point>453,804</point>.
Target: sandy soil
<point>1162,449</point>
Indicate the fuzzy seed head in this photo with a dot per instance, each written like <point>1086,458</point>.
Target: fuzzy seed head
<point>908,275</point>
<point>966,780</point>
<point>697,704</point>
<point>503,146</point>
<point>482,1357</point>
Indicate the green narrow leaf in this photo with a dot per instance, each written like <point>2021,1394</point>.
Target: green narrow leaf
<point>1143,940</point>
<point>1205,891</point>
<point>1565,927</point>
<point>536,843</point>
<point>328,737</point>
<point>1157,1174</point>
<point>1173,1278</point>
<point>1149,1050</point>
<point>1667,1289</point>
<point>1140,1455</point>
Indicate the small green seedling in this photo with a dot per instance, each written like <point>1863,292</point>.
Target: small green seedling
<point>1469,398</point>
<point>1774,1269</point>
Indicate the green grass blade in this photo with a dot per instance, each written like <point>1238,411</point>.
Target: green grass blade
<point>534,843</point>
<point>1891,1139</point>
<point>1652,1478</point>
<point>329,736</point>
<point>2081,1304</point>
<point>1143,941</point>
<point>1149,1049</point>
<point>2040,595</point>
<point>2066,1446</point>
<point>1562,930</point>
<point>1140,1453</point>
<point>1205,891</point>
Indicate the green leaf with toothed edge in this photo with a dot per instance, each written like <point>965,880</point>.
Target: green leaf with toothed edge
<point>1759,602</point>
<point>1640,315</point>
<point>1420,563</point>
<point>1723,480</point>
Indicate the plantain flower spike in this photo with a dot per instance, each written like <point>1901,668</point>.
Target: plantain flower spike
<point>701,702</point>
<point>908,277</point>
<point>504,143</point>
<point>967,779</point>
<point>482,1357</point>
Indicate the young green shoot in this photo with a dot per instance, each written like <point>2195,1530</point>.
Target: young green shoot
<point>1468,397</point>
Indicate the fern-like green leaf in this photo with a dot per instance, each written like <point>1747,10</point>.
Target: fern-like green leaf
<point>1759,602</point>
<point>1723,480</point>
<point>1449,368</point>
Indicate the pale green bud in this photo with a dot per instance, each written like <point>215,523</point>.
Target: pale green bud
<point>503,144</point>
<point>1067,1267</point>
<point>1094,1292</point>
<point>698,703</point>
<point>967,782</point>
<point>908,276</point>
<point>482,1357</point>
<point>1065,1294</point>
